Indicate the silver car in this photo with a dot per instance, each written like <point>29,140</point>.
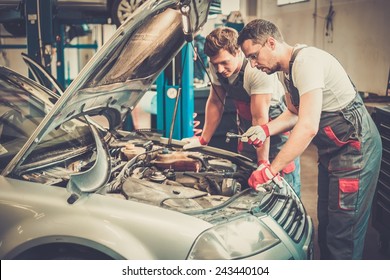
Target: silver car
<point>72,11</point>
<point>73,189</point>
<point>12,12</point>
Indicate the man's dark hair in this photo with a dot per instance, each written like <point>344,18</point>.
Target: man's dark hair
<point>259,30</point>
<point>221,38</point>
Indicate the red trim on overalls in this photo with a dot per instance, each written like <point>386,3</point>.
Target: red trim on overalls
<point>240,146</point>
<point>243,109</point>
<point>289,168</point>
<point>347,186</point>
<point>329,132</point>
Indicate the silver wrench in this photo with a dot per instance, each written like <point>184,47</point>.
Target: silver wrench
<point>230,135</point>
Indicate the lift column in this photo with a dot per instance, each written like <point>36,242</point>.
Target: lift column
<point>176,81</point>
<point>39,31</point>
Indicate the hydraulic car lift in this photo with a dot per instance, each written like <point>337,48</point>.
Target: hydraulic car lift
<point>39,30</point>
<point>45,31</point>
<point>175,96</point>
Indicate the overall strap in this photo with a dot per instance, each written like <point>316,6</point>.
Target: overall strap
<point>236,89</point>
<point>242,71</point>
<point>294,93</point>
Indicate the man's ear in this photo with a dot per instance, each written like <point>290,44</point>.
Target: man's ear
<point>272,42</point>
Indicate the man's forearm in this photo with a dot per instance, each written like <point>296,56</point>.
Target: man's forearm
<point>299,139</point>
<point>212,119</point>
<point>285,122</point>
<point>263,151</point>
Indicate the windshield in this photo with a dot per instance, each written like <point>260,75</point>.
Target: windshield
<point>23,105</point>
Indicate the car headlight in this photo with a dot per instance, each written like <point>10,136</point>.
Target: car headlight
<point>232,240</point>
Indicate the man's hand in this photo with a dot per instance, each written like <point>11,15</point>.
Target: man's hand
<point>194,142</point>
<point>261,177</point>
<point>256,135</point>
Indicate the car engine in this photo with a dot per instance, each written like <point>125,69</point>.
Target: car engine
<point>147,170</point>
<point>170,176</point>
<point>209,183</point>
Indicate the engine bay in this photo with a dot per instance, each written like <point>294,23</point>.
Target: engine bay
<point>172,177</point>
<point>148,171</point>
<point>207,182</point>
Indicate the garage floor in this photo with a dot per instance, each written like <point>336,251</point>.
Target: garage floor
<point>309,198</point>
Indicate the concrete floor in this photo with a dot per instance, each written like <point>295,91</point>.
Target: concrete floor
<point>309,198</point>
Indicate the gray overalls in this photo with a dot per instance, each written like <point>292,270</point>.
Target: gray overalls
<point>241,99</point>
<point>349,150</point>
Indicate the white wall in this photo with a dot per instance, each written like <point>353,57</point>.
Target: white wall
<point>360,41</point>
<point>11,57</point>
<point>229,5</point>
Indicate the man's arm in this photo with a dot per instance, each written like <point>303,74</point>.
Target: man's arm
<point>303,132</point>
<point>260,104</point>
<point>213,112</point>
<point>284,122</point>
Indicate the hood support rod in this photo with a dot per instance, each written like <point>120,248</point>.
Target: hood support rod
<point>174,117</point>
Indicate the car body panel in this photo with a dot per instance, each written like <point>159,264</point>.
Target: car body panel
<point>95,4</point>
<point>83,3</point>
<point>78,12</point>
<point>69,12</point>
<point>47,215</point>
<point>41,76</point>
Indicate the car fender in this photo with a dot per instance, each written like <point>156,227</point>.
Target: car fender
<point>131,229</point>
<point>110,240</point>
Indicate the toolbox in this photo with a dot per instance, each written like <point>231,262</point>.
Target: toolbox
<point>381,204</point>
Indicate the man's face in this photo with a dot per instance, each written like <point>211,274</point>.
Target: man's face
<point>225,63</point>
<point>260,56</point>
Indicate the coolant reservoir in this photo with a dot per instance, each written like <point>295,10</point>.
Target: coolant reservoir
<point>178,161</point>
<point>130,151</point>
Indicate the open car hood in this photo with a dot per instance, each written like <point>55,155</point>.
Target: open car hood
<point>124,68</point>
<point>118,75</point>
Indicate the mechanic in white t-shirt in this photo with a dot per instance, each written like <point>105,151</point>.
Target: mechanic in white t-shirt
<point>258,97</point>
<point>323,107</point>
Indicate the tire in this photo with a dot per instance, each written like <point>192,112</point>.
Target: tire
<point>15,28</point>
<point>122,9</point>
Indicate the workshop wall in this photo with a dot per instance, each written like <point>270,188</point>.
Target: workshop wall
<point>11,57</point>
<point>360,38</point>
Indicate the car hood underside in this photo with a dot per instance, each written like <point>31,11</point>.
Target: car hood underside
<point>124,68</point>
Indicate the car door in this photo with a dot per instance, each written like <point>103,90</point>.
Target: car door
<point>41,76</point>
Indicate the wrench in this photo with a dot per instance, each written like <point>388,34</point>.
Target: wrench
<point>230,135</point>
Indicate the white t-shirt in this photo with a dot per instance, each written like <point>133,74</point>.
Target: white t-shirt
<point>314,68</point>
<point>255,82</point>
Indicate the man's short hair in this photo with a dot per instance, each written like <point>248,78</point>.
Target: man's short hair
<point>221,38</point>
<point>259,30</point>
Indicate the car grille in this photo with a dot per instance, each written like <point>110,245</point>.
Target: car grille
<point>287,210</point>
